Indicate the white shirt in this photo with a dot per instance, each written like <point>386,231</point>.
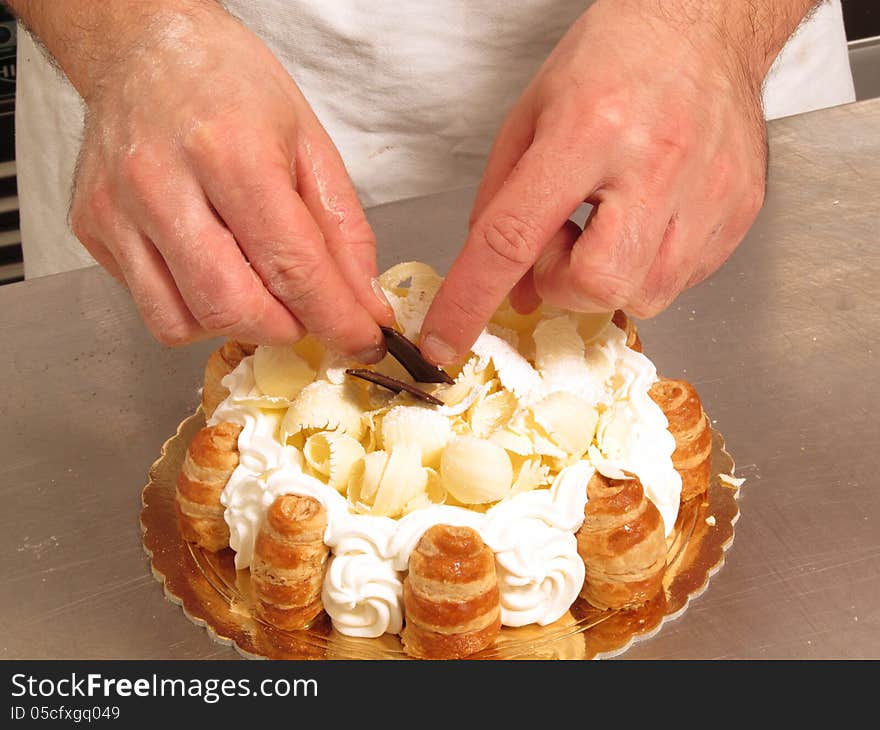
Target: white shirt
<point>412,98</point>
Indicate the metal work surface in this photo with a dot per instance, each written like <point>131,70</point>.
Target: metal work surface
<point>779,344</point>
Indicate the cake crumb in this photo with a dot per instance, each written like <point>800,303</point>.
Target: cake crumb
<point>731,480</point>
<point>710,520</point>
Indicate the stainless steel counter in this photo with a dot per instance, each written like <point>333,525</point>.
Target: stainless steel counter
<point>779,344</point>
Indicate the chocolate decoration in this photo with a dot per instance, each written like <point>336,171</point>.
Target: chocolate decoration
<point>410,356</point>
<point>393,384</point>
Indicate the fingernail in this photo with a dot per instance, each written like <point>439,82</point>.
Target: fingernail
<point>437,351</point>
<point>380,295</point>
<point>371,355</point>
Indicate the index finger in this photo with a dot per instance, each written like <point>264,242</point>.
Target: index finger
<point>504,241</point>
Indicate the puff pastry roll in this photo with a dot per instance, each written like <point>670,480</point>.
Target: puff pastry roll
<point>689,424</point>
<point>450,595</point>
<point>622,543</point>
<point>209,462</point>
<point>287,570</point>
<point>627,325</point>
<point>220,363</point>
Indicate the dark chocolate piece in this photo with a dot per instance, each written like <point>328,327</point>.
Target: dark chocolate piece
<point>393,384</point>
<point>410,356</point>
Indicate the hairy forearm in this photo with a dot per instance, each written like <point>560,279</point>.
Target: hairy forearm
<point>754,30</point>
<point>87,37</point>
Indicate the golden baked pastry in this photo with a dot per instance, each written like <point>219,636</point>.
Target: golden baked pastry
<point>290,556</point>
<point>621,319</point>
<point>622,544</point>
<point>220,363</point>
<point>209,462</point>
<point>450,595</point>
<point>689,424</point>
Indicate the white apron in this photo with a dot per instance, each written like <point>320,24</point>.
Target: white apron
<point>411,98</point>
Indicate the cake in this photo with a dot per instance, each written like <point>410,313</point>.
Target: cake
<point>548,467</point>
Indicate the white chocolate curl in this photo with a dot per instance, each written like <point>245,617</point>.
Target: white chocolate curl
<point>476,471</point>
<point>324,405</point>
<point>333,455</point>
<point>417,426</point>
<point>280,372</point>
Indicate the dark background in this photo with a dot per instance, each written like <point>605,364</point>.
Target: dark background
<point>861,18</point>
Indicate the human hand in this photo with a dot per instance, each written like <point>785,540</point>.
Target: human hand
<point>209,188</point>
<point>654,120</point>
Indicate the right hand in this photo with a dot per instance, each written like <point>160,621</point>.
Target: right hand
<point>207,185</point>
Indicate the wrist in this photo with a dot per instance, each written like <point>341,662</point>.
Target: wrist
<point>90,40</point>
<point>746,36</point>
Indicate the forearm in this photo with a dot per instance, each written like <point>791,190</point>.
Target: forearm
<point>86,38</point>
<point>753,30</point>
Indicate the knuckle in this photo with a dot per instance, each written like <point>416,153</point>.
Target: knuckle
<point>207,137</point>
<point>221,316</point>
<point>361,249</point>
<point>672,147</point>
<point>217,141</point>
<point>606,288</point>
<point>610,114</point>
<point>140,166</point>
<point>167,327</point>
<point>225,302</point>
<point>512,239</point>
<point>227,313</point>
<point>96,209</point>
<point>173,335</point>
<point>666,148</point>
<point>295,280</point>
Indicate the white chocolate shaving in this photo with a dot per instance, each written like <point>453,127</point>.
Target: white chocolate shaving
<point>517,443</point>
<point>569,420</point>
<point>410,287</point>
<point>557,345</point>
<point>420,276</point>
<point>388,483</point>
<point>514,371</point>
<point>476,471</point>
<point>326,406</point>
<point>334,456</point>
<point>491,413</point>
<point>365,479</point>
<point>523,324</point>
<point>280,372</point>
<point>472,377</point>
<point>404,479</point>
<point>427,429</point>
<point>532,474</point>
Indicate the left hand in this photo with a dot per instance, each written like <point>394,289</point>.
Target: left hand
<point>657,122</point>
